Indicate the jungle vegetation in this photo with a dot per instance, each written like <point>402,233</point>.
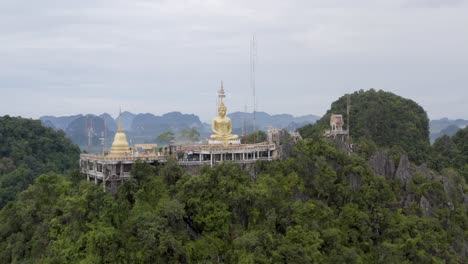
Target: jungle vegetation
<point>321,205</point>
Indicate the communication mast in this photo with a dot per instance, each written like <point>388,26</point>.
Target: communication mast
<point>244,122</point>
<point>89,122</point>
<point>253,58</point>
<point>348,106</point>
<point>103,136</point>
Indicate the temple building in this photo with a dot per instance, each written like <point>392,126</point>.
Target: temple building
<point>336,122</point>
<point>114,167</point>
<point>336,128</point>
<point>336,125</point>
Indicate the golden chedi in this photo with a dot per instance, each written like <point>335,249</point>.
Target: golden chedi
<point>120,146</point>
<point>222,125</point>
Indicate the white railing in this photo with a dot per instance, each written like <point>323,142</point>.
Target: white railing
<point>122,158</point>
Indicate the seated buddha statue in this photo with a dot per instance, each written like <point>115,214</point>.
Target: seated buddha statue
<point>222,126</point>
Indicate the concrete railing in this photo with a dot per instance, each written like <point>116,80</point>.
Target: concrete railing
<point>122,158</point>
<point>197,162</point>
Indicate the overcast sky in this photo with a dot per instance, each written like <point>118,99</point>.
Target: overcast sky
<point>90,56</point>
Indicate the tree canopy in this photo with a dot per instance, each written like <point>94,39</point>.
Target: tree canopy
<point>27,149</point>
<point>319,206</point>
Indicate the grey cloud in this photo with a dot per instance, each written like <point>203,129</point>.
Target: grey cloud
<point>434,3</point>
<point>159,56</point>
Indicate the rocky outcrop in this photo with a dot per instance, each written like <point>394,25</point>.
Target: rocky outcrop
<point>403,172</point>
<point>382,164</point>
<point>354,181</point>
<point>451,182</point>
<point>424,170</point>
<point>453,187</point>
<point>408,200</point>
<point>425,206</point>
<point>446,184</point>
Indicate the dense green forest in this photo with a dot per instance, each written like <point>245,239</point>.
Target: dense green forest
<point>321,205</point>
<point>451,152</point>
<point>27,150</point>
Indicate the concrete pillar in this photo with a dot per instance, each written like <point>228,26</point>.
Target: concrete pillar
<point>232,156</point>
<point>268,154</point>
<point>121,170</point>
<point>243,155</point>
<point>211,159</point>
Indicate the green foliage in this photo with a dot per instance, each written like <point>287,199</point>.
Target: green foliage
<point>27,149</point>
<point>321,205</point>
<point>444,153</point>
<point>189,134</point>
<point>165,138</point>
<point>451,152</point>
<point>255,137</point>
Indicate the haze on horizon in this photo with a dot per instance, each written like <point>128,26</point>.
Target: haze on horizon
<point>70,57</point>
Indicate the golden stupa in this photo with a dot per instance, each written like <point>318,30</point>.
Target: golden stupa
<point>120,146</point>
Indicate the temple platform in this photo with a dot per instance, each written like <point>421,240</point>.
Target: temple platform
<point>215,153</point>
<point>220,142</point>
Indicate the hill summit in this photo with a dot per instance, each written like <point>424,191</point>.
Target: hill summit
<point>386,119</point>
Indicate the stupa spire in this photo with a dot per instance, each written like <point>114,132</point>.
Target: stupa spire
<point>221,94</point>
<point>120,121</point>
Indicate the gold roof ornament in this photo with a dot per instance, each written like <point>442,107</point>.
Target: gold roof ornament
<point>120,146</point>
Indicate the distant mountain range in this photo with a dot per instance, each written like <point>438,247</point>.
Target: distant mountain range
<point>263,121</point>
<point>445,126</point>
<point>144,128</point>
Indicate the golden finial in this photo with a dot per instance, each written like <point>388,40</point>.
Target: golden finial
<point>221,94</point>
<point>120,120</point>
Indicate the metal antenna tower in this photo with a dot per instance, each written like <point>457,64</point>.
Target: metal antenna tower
<point>103,136</point>
<point>244,122</point>
<point>89,122</point>
<point>348,106</point>
<point>253,58</point>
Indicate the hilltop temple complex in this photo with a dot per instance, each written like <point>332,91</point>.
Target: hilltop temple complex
<point>114,167</point>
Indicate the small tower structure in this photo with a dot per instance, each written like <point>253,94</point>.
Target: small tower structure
<point>336,126</point>
<point>336,122</point>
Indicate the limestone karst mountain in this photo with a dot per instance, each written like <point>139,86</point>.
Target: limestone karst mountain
<point>60,122</point>
<point>386,119</point>
<point>265,120</point>
<point>145,127</point>
<point>445,126</point>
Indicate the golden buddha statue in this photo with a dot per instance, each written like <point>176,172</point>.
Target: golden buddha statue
<point>222,125</point>
<point>120,146</point>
